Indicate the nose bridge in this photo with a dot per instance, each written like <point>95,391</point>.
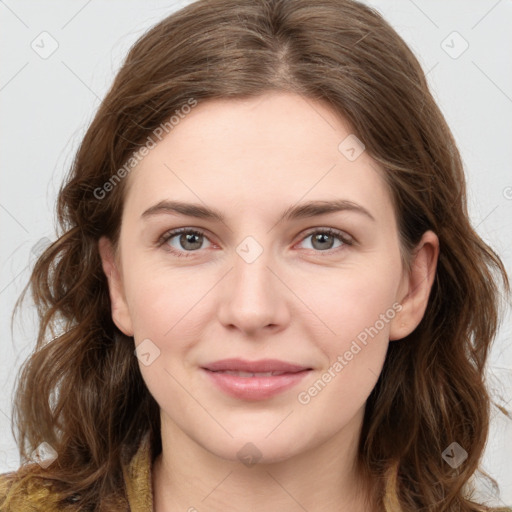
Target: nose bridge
<point>252,296</point>
<point>252,276</point>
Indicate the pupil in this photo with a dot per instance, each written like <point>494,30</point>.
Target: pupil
<point>189,238</point>
<point>321,238</point>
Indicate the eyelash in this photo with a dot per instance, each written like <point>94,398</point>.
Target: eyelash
<point>327,231</point>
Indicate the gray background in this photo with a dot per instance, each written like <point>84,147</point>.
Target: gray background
<point>47,102</point>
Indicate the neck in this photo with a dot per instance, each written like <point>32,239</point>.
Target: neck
<point>186,477</point>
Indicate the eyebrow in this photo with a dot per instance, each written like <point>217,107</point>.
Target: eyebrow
<point>300,211</point>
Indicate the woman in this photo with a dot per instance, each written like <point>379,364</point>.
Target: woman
<point>270,292</point>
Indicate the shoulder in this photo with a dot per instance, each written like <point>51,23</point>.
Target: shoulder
<point>6,482</point>
<point>20,492</point>
<point>8,499</point>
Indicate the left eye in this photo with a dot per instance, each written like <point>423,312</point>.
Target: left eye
<point>191,240</point>
<point>324,239</point>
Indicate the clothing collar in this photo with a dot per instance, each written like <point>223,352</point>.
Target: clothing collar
<point>137,476</point>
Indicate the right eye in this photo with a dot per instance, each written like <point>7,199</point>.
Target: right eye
<point>187,240</point>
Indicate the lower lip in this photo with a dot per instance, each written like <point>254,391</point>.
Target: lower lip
<point>255,388</point>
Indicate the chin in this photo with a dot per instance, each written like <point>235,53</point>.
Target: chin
<point>255,449</point>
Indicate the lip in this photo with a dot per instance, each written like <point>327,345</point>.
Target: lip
<point>257,387</point>
<point>263,365</point>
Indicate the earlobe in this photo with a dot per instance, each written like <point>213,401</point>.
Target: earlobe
<point>418,286</point>
<point>120,312</point>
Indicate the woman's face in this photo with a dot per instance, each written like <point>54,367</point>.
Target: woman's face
<point>260,284</point>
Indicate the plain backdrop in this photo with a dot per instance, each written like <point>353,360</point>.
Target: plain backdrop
<point>59,57</point>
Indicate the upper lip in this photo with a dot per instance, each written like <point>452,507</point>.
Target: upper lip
<point>263,365</point>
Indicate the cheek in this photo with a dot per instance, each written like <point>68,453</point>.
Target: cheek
<point>350,300</point>
<point>162,301</point>
<point>167,310</point>
<point>358,311</point>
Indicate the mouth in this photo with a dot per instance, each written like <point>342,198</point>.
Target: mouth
<point>256,380</point>
<point>263,366</point>
<point>250,374</point>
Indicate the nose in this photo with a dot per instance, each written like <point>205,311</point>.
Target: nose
<point>253,296</point>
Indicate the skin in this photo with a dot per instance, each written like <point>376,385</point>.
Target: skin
<point>299,301</point>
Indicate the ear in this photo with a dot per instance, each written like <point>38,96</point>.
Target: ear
<point>120,312</point>
<point>416,287</point>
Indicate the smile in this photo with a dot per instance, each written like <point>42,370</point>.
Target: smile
<point>254,386</point>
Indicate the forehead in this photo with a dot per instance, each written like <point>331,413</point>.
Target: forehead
<point>258,153</point>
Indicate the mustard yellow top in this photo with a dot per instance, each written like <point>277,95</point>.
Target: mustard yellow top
<point>137,481</point>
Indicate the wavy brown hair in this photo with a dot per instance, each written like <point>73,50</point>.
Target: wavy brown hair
<point>81,389</point>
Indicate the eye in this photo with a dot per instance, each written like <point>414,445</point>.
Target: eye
<point>191,240</point>
<point>188,239</point>
<point>322,239</point>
